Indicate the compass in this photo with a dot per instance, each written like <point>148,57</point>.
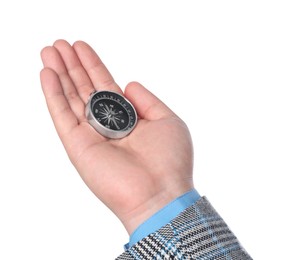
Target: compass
<point>111,114</point>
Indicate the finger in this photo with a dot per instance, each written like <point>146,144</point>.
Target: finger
<point>98,73</point>
<point>75,69</point>
<point>148,106</point>
<point>52,59</point>
<point>59,108</point>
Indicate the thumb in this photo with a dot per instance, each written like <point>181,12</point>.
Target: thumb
<point>147,105</point>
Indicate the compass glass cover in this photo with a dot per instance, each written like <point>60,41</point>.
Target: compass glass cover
<point>113,111</point>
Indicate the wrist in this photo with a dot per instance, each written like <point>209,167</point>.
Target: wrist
<point>140,214</point>
<point>163,216</point>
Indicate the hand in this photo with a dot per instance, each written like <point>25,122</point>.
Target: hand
<point>134,176</point>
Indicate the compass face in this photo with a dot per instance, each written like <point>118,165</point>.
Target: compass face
<point>113,115</point>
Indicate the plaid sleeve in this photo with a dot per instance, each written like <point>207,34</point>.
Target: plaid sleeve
<point>196,233</point>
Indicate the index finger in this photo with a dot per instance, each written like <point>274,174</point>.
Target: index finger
<point>96,70</point>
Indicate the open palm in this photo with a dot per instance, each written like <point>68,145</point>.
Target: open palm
<point>134,176</point>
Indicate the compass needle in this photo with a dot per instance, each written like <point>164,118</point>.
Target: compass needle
<point>114,122</point>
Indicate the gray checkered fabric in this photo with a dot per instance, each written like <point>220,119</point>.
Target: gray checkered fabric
<point>197,233</point>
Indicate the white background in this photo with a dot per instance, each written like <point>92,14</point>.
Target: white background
<point>220,65</point>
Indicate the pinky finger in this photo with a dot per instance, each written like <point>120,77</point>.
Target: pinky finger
<point>63,117</point>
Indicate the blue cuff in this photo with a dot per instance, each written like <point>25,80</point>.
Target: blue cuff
<point>163,216</point>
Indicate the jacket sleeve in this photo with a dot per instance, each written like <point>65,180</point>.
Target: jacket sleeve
<point>196,233</point>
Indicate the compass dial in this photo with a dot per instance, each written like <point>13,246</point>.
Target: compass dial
<point>111,114</point>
